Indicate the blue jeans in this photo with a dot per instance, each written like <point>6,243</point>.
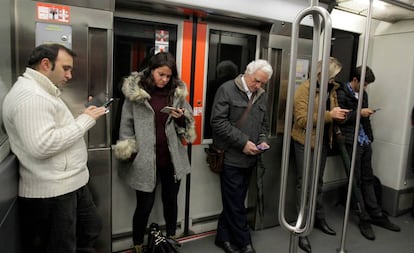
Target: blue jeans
<point>64,224</point>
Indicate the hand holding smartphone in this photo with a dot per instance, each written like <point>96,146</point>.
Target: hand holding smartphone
<point>99,100</point>
<point>168,109</point>
<point>108,103</point>
<point>262,148</point>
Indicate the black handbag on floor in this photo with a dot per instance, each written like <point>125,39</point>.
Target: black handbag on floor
<point>159,243</point>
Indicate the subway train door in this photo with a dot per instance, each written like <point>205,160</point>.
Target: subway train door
<point>240,46</point>
<point>88,31</point>
<point>135,41</point>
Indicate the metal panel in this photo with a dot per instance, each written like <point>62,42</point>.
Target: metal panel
<point>76,92</point>
<point>5,42</point>
<point>99,164</point>
<point>9,229</point>
<point>98,136</point>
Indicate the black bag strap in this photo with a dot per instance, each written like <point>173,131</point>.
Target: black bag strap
<point>242,118</point>
<point>246,111</point>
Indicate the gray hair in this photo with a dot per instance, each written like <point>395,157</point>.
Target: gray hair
<point>259,64</point>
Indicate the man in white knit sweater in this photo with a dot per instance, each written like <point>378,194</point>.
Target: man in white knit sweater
<point>57,213</point>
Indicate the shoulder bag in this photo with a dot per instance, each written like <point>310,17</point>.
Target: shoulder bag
<point>215,156</point>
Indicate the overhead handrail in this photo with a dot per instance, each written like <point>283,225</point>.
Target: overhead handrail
<point>305,218</point>
<point>357,124</point>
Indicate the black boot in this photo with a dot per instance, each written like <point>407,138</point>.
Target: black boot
<point>366,230</point>
<point>323,226</point>
<point>227,246</point>
<point>304,244</point>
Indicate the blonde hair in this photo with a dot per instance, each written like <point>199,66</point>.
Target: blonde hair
<point>334,68</point>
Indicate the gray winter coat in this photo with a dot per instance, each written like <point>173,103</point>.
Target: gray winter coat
<point>137,135</point>
<point>229,105</point>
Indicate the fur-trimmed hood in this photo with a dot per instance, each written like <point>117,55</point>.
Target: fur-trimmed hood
<point>134,92</point>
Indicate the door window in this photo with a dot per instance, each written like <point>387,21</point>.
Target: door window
<point>229,54</point>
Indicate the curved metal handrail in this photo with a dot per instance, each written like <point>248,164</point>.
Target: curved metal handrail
<point>304,222</point>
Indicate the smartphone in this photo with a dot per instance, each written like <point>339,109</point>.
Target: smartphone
<point>108,103</point>
<point>376,110</point>
<point>259,147</point>
<point>168,109</point>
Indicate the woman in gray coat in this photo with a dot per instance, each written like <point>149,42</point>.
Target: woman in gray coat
<point>151,140</point>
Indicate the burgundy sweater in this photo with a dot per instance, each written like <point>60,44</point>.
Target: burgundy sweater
<point>158,101</point>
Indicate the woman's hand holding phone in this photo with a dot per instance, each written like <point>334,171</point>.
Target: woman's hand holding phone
<point>174,112</point>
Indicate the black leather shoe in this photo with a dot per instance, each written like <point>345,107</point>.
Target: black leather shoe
<point>248,249</point>
<point>227,247</point>
<point>323,226</point>
<point>366,230</point>
<point>304,244</point>
<point>383,221</point>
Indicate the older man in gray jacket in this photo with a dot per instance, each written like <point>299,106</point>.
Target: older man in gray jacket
<point>240,127</point>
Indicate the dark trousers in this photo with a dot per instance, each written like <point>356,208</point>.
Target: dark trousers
<point>232,224</point>
<point>63,224</point>
<point>364,178</point>
<point>145,201</point>
<point>299,159</point>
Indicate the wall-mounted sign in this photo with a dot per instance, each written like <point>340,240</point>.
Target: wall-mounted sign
<point>53,12</point>
<point>53,33</point>
<point>161,41</point>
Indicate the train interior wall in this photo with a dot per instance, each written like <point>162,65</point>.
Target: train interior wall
<point>391,56</point>
<point>8,163</point>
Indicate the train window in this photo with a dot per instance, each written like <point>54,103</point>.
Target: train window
<point>277,91</point>
<point>229,54</point>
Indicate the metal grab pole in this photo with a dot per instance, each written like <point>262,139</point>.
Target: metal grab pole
<point>305,219</point>
<point>357,123</point>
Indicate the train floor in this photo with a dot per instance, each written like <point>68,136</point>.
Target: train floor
<point>276,239</point>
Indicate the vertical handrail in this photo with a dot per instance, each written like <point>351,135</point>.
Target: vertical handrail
<point>357,124</point>
<point>304,222</point>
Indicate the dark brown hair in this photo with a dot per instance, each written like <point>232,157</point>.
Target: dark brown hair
<point>49,51</point>
<point>160,60</point>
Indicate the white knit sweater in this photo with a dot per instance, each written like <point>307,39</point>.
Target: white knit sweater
<point>45,137</point>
